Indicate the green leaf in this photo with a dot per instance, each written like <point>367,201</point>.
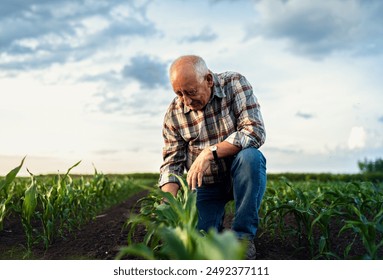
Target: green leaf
<point>221,246</point>
<point>70,168</point>
<point>139,249</point>
<point>30,201</point>
<point>322,244</point>
<point>4,210</point>
<point>11,176</point>
<point>176,241</point>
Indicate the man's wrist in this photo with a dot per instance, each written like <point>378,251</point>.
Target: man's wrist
<point>212,154</point>
<point>208,155</point>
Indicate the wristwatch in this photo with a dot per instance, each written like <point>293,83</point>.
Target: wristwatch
<point>213,149</point>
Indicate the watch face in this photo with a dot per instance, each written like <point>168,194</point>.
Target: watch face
<point>213,148</point>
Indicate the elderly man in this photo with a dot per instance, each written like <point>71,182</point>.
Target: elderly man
<point>214,128</point>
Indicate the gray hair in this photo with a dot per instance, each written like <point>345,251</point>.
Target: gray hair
<point>196,62</point>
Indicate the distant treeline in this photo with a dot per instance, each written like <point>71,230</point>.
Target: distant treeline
<point>326,177</point>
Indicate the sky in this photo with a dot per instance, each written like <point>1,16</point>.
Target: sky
<point>88,79</point>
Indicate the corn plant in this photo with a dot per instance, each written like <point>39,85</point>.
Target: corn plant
<point>188,244</point>
<point>28,210</point>
<point>368,230</point>
<point>6,192</point>
<point>322,221</point>
<point>162,208</point>
<point>171,230</point>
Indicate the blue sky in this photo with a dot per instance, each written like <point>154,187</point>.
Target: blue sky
<point>88,80</point>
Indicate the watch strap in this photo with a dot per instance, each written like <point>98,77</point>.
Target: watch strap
<point>215,155</point>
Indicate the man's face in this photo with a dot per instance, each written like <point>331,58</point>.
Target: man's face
<point>194,93</point>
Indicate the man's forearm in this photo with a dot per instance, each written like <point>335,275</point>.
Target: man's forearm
<point>226,149</point>
<point>171,187</point>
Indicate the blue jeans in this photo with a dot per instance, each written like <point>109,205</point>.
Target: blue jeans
<point>246,186</point>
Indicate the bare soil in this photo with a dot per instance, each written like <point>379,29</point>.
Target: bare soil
<point>102,238</point>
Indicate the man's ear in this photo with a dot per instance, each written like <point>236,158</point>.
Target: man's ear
<point>209,79</point>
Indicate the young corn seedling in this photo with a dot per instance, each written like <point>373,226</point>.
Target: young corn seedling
<point>188,244</point>
<point>368,230</point>
<point>28,210</point>
<point>172,233</point>
<point>162,208</point>
<point>6,192</point>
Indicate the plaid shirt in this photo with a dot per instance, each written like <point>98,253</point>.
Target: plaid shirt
<point>232,115</point>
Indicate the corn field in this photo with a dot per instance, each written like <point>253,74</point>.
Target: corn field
<point>328,217</point>
<point>51,207</point>
<point>316,214</point>
<point>324,213</point>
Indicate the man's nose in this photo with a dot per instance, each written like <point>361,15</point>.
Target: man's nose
<point>187,100</point>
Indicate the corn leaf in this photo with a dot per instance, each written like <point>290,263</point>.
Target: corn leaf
<point>30,201</point>
<point>11,176</point>
<point>139,249</point>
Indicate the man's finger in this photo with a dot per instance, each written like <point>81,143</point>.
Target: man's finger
<point>200,176</point>
<point>194,181</point>
<point>188,180</point>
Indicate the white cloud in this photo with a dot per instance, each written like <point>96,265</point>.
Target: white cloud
<point>319,28</point>
<point>149,72</point>
<point>357,138</point>
<point>205,35</point>
<point>39,34</point>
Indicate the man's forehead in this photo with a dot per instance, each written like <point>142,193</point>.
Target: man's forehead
<point>184,75</point>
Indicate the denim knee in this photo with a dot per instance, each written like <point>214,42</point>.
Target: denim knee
<point>250,160</point>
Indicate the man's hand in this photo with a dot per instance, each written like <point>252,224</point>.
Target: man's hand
<point>198,168</point>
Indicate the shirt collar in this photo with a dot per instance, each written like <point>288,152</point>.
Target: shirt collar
<point>217,89</point>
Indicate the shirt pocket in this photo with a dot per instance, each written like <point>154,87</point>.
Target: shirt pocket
<point>225,124</point>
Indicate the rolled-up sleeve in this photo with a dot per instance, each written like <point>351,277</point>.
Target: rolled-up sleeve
<point>174,153</point>
<point>250,127</point>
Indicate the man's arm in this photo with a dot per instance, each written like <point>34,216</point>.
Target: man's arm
<point>250,126</point>
<point>171,187</point>
<point>174,156</point>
